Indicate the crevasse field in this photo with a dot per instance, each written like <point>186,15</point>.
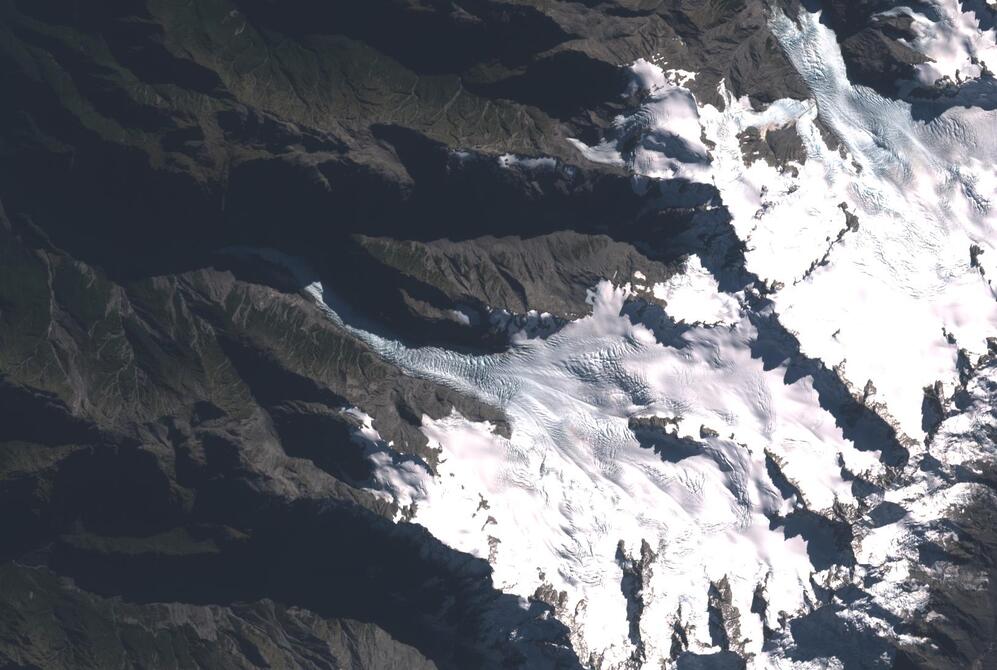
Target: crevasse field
<point>748,468</point>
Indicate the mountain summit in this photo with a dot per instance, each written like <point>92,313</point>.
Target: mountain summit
<point>603,334</point>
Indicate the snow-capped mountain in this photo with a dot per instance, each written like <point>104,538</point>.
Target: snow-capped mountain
<point>610,335</point>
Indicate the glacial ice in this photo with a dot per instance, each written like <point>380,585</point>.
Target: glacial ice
<point>550,504</point>
<point>890,303</point>
<point>895,294</point>
<point>951,37</point>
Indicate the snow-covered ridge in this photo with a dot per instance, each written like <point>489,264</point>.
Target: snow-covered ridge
<point>951,38</point>
<point>879,251</point>
<point>686,462</point>
<point>573,492</point>
<point>898,297</point>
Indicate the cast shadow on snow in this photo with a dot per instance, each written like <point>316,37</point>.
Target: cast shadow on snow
<point>927,105</point>
<point>776,346</point>
<point>653,433</point>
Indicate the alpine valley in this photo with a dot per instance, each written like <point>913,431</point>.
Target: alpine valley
<point>459,334</point>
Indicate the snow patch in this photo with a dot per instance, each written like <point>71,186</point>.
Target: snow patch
<point>667,126</point>
<point>509,161</point>
<point>693,296</point>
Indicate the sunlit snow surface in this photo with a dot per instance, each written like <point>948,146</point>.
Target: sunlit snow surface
<point>551,504</point>
<point>951,39</point>
<point>924,194</point>
<point>693,296</point>
<point>890,303</point>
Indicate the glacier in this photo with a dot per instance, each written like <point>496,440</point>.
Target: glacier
<point>876,256</point>
<point>554,505</point>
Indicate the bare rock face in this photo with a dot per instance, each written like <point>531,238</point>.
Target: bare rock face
<point>189,444</point>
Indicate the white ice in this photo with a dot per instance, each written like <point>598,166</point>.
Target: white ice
<point>550,504</point>
<point>693,296</point>
<point>508,161</point>
<point>951,38</point>
<point>892,291</point>
<point>667,125</point>
<point>883,303</point>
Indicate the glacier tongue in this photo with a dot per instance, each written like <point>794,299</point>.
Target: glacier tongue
<point>554,505</point>
<point>898,297</point>
<point>684,464</point>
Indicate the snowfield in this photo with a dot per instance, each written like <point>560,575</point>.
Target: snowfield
<point>654,447</point>
<point>551,506</point>
<point>900,296</point>
<point>894,300</point>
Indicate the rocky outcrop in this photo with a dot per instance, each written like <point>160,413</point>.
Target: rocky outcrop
<point>179,469</point>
